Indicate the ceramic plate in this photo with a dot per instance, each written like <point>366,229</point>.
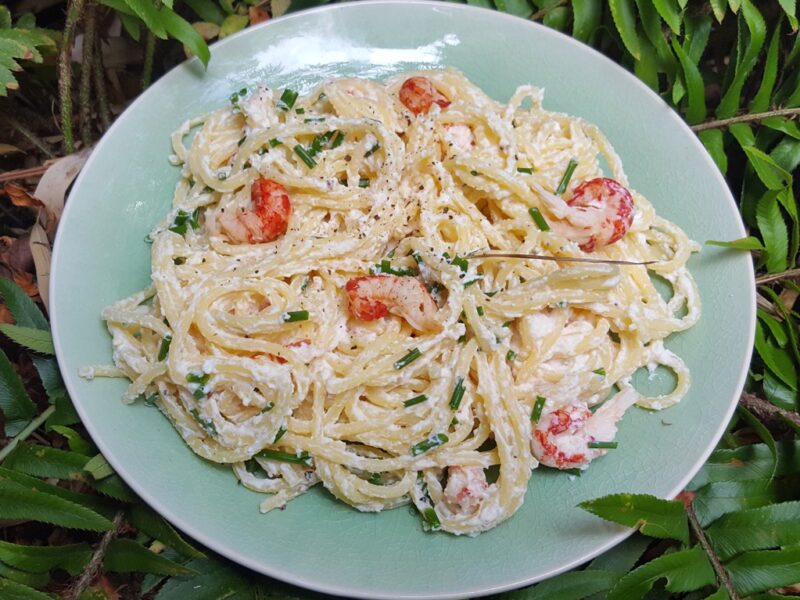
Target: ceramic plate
<point>317,542</point>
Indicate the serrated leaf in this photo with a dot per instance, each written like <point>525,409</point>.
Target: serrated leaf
<point>18,44</point>
<point>51,379</point>
<point>574,585</point>
<point>714,142</point>
<point>762,433</point>
<point>23,309</point>
<point>216,580</point>
<point>19,502</point>
<point>775,327</point>
<point>720,7</point>
<point>64,414</point>
<point>43,461</point>
<point>753,461</point>
<point>18,409</point>
<point>152,17</point>
<point>181,30</point>
<point>670,13</point>
<point>761,100</point>
<point>776,359</point>
<point>652,25</point>
<point>763,570</point>
<point>774,231</point>
<point>790,8</point>
<point>769,172</point>
<point>752,33</point>
<point>5,17</point>
<point>37,340</point>
<point>624,14</point>
<point>232,24</point>
<point>41,559</point>
<point>722,497</point>
<point>34,580</point>
<point>586,17</point>
<point>778,393</point>
<point>98,467</point>
<point>207,10</point>
<point>622,557</point>
<point>685,571</point>
<point>650,515</point>
<point>74,439</point>
<point>747,243</point>
<point>126,556</point>
<point>783,125</point>
<point>695,88</point>
<point>11,590</point>
<point>114,487</point>
<point>146,519</point>
<point>756,529</point>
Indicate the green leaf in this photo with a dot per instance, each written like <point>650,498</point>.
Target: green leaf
<point>720,7</point>
<point>698,30</point>
<point>18,44</point>
<point>20,502</point>
<point>41,559</point>
<point>152,17</point>
<point>762,433</point>
<point>64,414</point>
<point>624,15</point>
<point>695,87</point>
<point>133,25</point>
<point>714,142</point>
<point>716,499</point>
<point>769,172</point>
<point>216,580</point>
<point>652,516</point>
<point>17,407</point>
<point>622,557</point>
<point>23,309</point>
<point>11,590</point>
<point>519,8</point>
<point>774,231</point>
<point>790,8</point>
<point>670,13</point>
<point>753,461</point>
<point>776,359</point>
<point>761,100</point>
<point>43,461</point>
<point>232,24</point>
<point>586,16</point>
<point>98,467</point>
<point>777,393</point>
<point>573,585</point>
<point>182,31</point>
<point>37,340</point>
<point>97,503</point>
<point>154,525</point>
<point>747,243</point>
<point>684,571</point>
<point>34,580</point>
<point>652,25</point>
<point>775,327</point>
<point>51,379</point>
<point>783,125</point>
<point>207,10</point>
<point>763,570</point>
<point>74,440</point>
<point>126,556</point>
<point>114,487</point>
<point>756,529</point>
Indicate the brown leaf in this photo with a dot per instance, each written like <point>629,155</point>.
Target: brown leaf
<point>8,149</point>
<point>19,196</point>
<point>15,253</point>
<point>257,15</point>
<point>25,280</point>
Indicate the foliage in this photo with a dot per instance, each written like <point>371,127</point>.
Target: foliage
<point>731,68</point>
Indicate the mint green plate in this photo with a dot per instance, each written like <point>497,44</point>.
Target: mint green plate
<point>317,542</point>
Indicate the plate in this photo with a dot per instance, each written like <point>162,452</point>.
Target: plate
<point>127,185</point>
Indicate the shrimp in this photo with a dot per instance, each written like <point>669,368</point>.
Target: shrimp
<point>418,95</point>
<point>375,296</point>
<point>561,437</point>
<point>466,489</point>
<point>266,221</point>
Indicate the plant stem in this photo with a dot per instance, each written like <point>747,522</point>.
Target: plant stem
<point>23,173</point>
<point>27,133</point>
<point>23,435</point>
<point>100,85</point>
<point>790,274</point>
<point>84,100</point>
<point>74,11</point>
<point>765,410</point>
<point>91,570</point>
<point>748,118</point>
<point>149,55</point>
<point>539,14</point>
<point>723,578</point>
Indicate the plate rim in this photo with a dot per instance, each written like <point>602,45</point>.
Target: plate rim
<point>230,552</point>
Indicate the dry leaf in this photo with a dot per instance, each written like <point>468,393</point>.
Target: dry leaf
<point>15,253</point>
<point>19,196</point>
<point>40,251</point>
<point>53,186</point>
<point>25,280</point>
<point>279,7</point>
<point>8,149</point>
<point>257,15</point>
<point>208,31</point>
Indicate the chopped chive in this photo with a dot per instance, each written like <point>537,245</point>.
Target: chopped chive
<point>299,459</point>
<point>337,141</point>
<point>480,311</point>
<point>511,355</point>
<point>431,518</point>
<point>507,324</point>
<point>314,120</point>
<point>288,98</point>
<point>538,218</point>
<point>293,316</point>
<point>300,110</point>
<point>407,359</point>
<point>473,173</point>
<point>526,170</point>
<point>151,399</point>
<point>275,142</point>
<point>363,182</point>
<point>207,190</point>
<point>491,294</point>
<point>575,472</point>
<point>601,371</point>
<point>206,424</point>
<point>458,393</point>
<point>304,285</point>
<point>372,150</point>
<point>462,338</point>
<point>279,435</point>
<point>435,287</point>
<point>179,260</point>
<point>222,175</point>
<point>425,445</point>
<point>375,479</point>
<point>461,263</point>
<point>603,445</point>
<point>386,267</point>
<point>268,407</point>
<point>415,400</point>
<point>536,413</point>
<point>163,350</point>
<point>200,379</point>
<point>322,97</point>
<point>562,187</point>
<point>454,422</point>
<point>241,141</point>
<point>417,258</point>
<point>316,146</point>
<point>305,156</point>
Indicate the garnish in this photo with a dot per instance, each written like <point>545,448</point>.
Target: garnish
<point>183,220</point>
<point>601,371</point>
<point>407,359</point>
<point>304,458</point>
<point>287,100</point>
<point>458,393</point>
<point>536,413</point>
<point>279,435</point>
<point>511,355</point>
<point>305,156</point>
<point>275,142</point>
<point>206,424</point>
<point>372,150</point>
<point>363,182</point>
<point>526,170</point>
<point>415,400</point>
<point>293,316</point>
<point>562,187</point>
<point>432,442</point>
<point>163,350</point>
<point>603,445</point>
<point>538,218</point>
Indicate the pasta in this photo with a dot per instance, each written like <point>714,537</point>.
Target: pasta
<point>325,306</point>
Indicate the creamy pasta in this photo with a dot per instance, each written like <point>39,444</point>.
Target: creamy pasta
<point>325,308</point>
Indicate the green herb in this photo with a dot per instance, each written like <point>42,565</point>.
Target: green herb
<point>241,141</point>
<point>300,111</point>
<point>201,380</point>
<point>151,399</point>
<point>304,285</point>
<point>207,190</point>
<point>562,187</point>
<point>268,407</point>
<point>526,170</point>
<point>603,445</point>
<point>473,172</point>
<point>363,182</point>
<point>458,393</point>
<point>575,472</point>
<point>179,260</point>
<point>415,400</point>
<point>372,150</point>
<point>293,316</point>
<point>275,142</point>
<point>184,220</point>
<point>431,518</point>
<point>206,424</point>
<point>435,287</point>
<point>417,258</point>
<point>536,413</point>
<point>491,294</point>
<point>425,445</point>
<point>453,421</point>
<point>337,141</point>
<point>601,371</point>
<point>288,98</point>
<point>461,263</point>
<point>163,350</point>
<point>538,218</point>
<point>480,311</point>
<point>222,175</point>
<point>305,156</point>
<point>298,459</point>
<point>462,338</point>
<point>375,479</point>
<point>314,120</point>
<point>511,355</point>
<point>507,323</point>
<point>279,435</point>
<point>407,359</point>
<point>323,97</point>
<point>386,267</point>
